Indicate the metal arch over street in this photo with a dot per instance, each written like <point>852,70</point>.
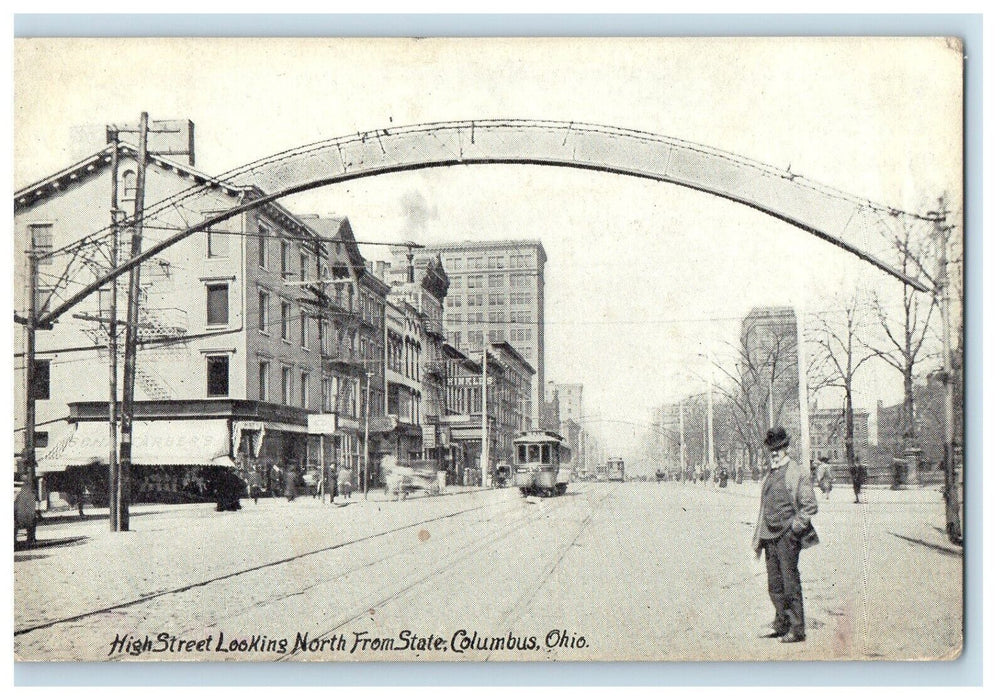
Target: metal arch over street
<point>859,226</point>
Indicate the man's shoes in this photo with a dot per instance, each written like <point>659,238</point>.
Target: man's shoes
<point>792,637</point>
<point>773,634</point>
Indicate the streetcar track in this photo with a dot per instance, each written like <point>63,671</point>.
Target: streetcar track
<point>234,574</point>
<point>523,602</point>
<point>278,598</point>
<point>474,547</point>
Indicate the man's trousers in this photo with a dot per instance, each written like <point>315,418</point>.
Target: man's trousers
<point>784,584</point>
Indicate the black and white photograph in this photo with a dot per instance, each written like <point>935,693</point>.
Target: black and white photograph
<point>489,349</point>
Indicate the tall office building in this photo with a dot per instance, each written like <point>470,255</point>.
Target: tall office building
<point>496,295</point>
<point>769,342</point>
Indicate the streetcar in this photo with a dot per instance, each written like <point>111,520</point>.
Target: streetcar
<point>543,463</point>
<point>615,469</point>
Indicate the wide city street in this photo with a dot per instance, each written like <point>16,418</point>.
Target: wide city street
<point>614,571</point>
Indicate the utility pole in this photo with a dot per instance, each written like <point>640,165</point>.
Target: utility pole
<point>683,467</point>
<point>711,431</point>
<point>803,394</point>
<point>484,415</point>
<point>113,346</point>
<point>132,327</point>
<point>953,520</point>
<point>28,459</point>
<point>366,439</point>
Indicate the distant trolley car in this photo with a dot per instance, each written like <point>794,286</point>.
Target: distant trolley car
<point>543,463</point>
<point>615,470</point>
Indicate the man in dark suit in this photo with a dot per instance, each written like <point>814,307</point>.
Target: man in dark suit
<point>784,528</point>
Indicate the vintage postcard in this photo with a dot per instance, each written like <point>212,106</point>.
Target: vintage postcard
<point>488,349</point>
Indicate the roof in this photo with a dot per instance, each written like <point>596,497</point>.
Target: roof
<point>506,347</point>
<point>337,228</point>
<point>507,244</point>
<point>96,162</point>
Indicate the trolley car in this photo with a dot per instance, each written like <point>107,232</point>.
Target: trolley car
<point>615,470</point>
<point>543,463</point>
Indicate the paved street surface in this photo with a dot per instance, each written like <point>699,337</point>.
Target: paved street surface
<point>606,572</point>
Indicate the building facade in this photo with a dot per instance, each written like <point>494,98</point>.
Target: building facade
<point>827,427</point>
<point>496,295</point>
<point>239,344</point>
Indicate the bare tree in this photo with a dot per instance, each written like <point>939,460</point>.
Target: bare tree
<point>905,325</point>
<point>841,353</point>
<point>761,386</point>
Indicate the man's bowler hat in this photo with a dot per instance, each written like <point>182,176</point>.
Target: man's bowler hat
<point>777,439</point>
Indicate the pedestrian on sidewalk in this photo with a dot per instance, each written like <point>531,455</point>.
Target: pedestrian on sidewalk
<point>332,482</point>
<point>784,528</point>
<point>345,482</point>
<point>858,476</point>
<point>825,476</point>
<point>292,481</point>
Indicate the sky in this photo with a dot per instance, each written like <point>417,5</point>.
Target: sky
<point>642,278</point>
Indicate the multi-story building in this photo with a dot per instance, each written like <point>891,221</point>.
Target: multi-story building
<point>827,427</point>
<point>236,349</point>
<point>497,295</point>
<point>569,398</point>
<point>423,285</point>
<point>404,379</point>
<point>769,357</point>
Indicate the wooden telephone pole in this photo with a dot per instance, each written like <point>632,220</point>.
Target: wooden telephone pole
<point>132,328</point>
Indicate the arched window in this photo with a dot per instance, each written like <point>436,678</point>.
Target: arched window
<point>129,185</point>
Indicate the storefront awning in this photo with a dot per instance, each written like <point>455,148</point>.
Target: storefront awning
<point>159,442</point>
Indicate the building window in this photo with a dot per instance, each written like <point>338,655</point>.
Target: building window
<point>474,282</point>
<point>284,259</point>
<point>496,262</point>
<point>263,372</point>
<point>287,385</point>
<point>263,236</point>
<point>305,389</point>
<point>496,317</point>
<point>304,263</point>
<point>496,336</point>
<point>217,375</point>
<point>303,329</point>
<point>284,320</point>
<point>263,311</point>
<point>474,263</point>
<point>217,244</point>
<point>475,337</point>
<point>322,332</point>
<point>474,299</point>
<point>41,379</point>
<point>326,388</point>
<point>129,185</point>
<point>496,299</point>
<point>454,301</point>
<point>41,242</point>
<point>41,438</point>
<point>495,280</point>
<point>217,304</point>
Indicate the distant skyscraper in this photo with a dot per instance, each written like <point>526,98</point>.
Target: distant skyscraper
<point>769,342</point>
<point>569,397</point>
<point>496,295</point>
